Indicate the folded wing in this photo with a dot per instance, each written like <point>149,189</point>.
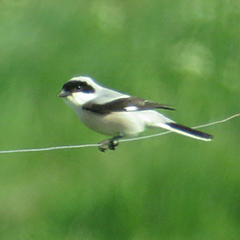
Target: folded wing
<point>127,104</point>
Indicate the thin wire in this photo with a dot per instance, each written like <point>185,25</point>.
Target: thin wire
<point>49,148</point>
<point>220,121</point>
<point>122,140</point>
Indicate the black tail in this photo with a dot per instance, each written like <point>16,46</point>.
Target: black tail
<point>189,131</point>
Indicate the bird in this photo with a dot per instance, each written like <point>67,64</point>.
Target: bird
<point>117,114</point>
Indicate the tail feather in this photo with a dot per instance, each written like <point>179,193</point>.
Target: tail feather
<point>155,119</point>
<point>187,131</point>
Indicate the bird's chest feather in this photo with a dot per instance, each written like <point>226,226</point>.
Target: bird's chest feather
<point>113,124</point>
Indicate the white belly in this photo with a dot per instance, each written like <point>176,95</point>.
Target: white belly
<point>115,124</point>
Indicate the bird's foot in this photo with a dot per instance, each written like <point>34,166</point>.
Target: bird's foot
<point>108,144</point>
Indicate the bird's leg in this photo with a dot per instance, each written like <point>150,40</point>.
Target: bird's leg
<point>113,142</point>
<point>109,144</point>
<point>103,145</point>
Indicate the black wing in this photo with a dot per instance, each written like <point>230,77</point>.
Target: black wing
<point>124,104</point>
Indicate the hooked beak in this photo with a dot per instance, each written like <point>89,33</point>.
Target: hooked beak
<point>64,94</point>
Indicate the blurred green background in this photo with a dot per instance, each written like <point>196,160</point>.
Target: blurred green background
<point>182,52</point>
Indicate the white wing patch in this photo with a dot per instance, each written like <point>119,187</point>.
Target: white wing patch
<point>131,108</point>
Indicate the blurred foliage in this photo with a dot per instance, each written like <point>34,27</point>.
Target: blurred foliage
<point>184,53</point>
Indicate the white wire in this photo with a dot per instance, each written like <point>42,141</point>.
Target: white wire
<point>49,148</point>
<point>122,140</point>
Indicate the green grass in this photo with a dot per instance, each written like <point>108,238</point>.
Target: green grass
<point>182,53</point>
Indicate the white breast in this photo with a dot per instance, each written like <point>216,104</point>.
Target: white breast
<point>114,124</point>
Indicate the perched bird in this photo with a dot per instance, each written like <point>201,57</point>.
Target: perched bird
<point>117,114</point>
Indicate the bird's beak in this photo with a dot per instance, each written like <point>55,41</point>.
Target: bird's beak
<point>63,94</point>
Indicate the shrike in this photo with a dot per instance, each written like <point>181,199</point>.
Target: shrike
<point>117,114</point>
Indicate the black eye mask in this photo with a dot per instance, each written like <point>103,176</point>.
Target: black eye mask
<point>78,86</point>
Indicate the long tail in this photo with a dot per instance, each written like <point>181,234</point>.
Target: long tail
<point>187,131</point>
<point>155,119</point>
